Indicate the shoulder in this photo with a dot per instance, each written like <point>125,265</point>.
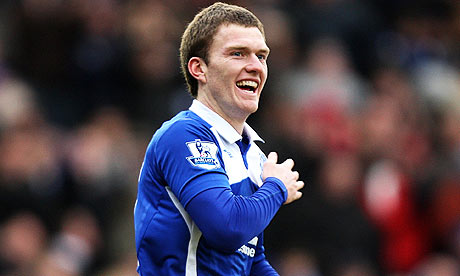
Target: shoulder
<point>184,127</point>
<point>181,126</point>
<point>182,145</point>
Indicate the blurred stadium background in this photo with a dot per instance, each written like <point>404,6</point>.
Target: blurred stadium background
<point>363,94</point>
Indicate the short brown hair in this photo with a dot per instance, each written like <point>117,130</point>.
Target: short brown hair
<point>198,35</point>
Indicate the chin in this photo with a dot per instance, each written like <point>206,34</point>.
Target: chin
<point>253,109</point>
<point>249,107</point>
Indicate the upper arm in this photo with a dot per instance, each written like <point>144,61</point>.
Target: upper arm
<point>184,152</point>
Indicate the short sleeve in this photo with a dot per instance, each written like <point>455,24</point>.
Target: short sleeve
<point>186,151</point>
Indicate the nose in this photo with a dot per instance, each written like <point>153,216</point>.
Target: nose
<point>255,64</point>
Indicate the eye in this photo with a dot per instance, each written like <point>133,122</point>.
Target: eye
<point>237,54</point>
<point>262,57</point>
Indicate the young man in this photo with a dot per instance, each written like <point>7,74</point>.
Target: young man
<point>206,191</point>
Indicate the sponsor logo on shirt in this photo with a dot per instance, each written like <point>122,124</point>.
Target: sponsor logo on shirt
<point>204,154</point>
<point>254,241</point>
<point>248,250</point>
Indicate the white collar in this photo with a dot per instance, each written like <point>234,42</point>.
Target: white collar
<point>221,125</point>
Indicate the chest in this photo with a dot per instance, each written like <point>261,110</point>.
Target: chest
<point>241,165</point>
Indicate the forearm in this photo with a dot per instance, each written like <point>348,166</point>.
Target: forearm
<point>227,221</point>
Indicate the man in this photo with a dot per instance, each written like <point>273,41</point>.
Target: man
<point>206,190</point>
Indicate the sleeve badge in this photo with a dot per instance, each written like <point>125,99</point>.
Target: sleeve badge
<point>204,154</point>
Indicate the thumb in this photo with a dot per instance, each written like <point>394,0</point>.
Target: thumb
<point>272,157</point>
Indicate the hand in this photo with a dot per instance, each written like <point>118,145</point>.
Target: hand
<point>284,173</point>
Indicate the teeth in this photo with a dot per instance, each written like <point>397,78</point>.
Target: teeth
<point>249,83</point>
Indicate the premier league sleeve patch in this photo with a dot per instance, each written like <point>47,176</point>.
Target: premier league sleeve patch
<point>204,154</point>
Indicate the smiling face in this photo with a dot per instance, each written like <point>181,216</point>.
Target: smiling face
<point>235,74</point>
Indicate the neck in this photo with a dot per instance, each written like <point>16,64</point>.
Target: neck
<point>237,124</point>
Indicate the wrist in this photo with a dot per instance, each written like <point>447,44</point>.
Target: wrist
<point>279,184</point>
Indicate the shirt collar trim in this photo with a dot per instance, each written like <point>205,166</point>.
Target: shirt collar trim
<point>221,125</point>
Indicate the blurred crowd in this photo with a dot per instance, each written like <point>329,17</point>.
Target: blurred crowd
<point>363,94</point>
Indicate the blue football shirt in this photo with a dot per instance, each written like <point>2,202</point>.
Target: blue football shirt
<point>194,152</point>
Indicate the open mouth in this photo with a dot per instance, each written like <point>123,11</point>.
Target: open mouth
<point>247,85</point>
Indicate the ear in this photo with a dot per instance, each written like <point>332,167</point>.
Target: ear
<point>198,69</point>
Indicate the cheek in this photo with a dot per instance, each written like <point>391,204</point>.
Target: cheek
<point>264,78</point>
<point>216,78</point>
<point>221,74</point>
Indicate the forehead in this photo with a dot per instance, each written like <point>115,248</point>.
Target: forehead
<point>233,35</point>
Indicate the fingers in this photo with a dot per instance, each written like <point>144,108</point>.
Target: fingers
<point>296,175</point>
<point>272,157</point>
<point>300,185</point>
<point>289,163</point>
<point>298,195</point>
